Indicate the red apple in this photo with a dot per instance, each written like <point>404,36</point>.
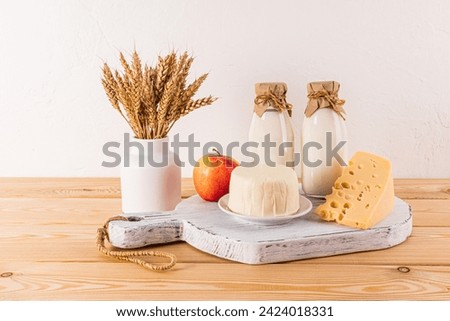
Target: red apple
<point>212,176</point>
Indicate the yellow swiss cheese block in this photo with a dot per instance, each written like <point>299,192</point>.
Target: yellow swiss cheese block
<point>363,195</point>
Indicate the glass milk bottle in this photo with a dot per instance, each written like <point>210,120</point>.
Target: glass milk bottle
<point>272,116</point>
<point>324,138</point>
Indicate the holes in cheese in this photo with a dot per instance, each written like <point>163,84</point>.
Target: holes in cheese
<point>334,204</point>
<point>345,185</point>
<point>363,195</point>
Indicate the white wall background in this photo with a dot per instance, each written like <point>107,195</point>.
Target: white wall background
<point>392,59</point>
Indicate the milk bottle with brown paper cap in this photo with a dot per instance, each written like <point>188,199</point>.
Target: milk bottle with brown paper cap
<point>324,138</point>
<point>272,121</point>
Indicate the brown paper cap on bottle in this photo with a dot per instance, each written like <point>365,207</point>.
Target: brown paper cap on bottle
<point>324,94</point>
<point>278,88</point>
<point>271,94</point>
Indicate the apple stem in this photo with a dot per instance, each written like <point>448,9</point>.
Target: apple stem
<point>218,153</point>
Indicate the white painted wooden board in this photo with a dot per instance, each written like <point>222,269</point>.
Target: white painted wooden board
<point>203,225</point>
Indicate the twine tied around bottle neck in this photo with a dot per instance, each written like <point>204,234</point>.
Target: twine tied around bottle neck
<point>271,95</point>
<point>324,95</point>
<point>132,256</point>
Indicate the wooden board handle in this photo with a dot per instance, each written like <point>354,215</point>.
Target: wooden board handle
<point>140,231</point>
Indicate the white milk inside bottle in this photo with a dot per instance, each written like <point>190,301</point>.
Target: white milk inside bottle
<point>272,117</point>
<point>324,139</point>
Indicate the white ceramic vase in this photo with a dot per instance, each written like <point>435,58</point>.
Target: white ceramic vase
<point>151,179</point>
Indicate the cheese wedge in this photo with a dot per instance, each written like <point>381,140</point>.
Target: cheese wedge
<point>264,191</point>
<point>363,195</point>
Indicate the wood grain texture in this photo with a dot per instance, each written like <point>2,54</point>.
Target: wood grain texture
<point>426,246</point>
<point>109,187</point>
<point>37,187</point>
<point>212,281</point>
<point>47,242</point>
<point>422,188</point>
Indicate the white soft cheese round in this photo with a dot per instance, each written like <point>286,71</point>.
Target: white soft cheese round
<point>264,191</point>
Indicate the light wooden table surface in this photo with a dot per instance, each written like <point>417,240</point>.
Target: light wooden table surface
<point>48,252</point>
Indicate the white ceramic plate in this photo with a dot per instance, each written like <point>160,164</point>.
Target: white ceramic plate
<point>305,208</point>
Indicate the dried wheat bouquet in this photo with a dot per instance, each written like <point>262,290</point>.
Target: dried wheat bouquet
<point>152,99</point>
